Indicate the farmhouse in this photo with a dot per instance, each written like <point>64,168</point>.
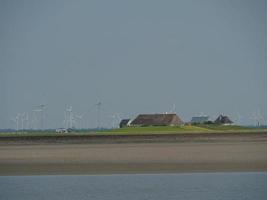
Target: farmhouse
<point>157,120</point>
<point>223,120</point>
<point>124,123</point>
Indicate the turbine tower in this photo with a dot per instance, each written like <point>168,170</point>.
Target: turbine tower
<point>16,121</point>
<point>39,109</point>
<point>115,119</point>
<point>257,117</point>
<point>78,118</point>
<point>98,105</point>
<point>23,117</point>
<point>69,118</point>
<point>173,110</point>
<point>42,106</point>
<point>239,118</point>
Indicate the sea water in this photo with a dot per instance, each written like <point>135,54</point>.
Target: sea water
<point>190,186</point>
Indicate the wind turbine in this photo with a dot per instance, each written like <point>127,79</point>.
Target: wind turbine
<point>173,110</point>
<point>239,119</point>
<point>92,109</point>
<point>115,119</point>
<point>34,121</point>
<point>23,115</point>
<point>26,120</point>
<point>78,118</point>
<point>257,117</point>
<point>65,121</point>
<point>16,121</point>
<point>86,114</point>
<point>40,109</point>
<point>42,106</point>
<point>98,105</point>
<point>68,115</point>
<point>69,118</point>
<point>118,118</point>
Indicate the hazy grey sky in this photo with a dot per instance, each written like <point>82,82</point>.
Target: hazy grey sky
<point>134,56</point>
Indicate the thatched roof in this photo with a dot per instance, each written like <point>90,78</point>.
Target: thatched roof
<point>223,120</point>
<point>156,120</point>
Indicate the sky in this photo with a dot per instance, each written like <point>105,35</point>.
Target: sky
<point>205,57</point>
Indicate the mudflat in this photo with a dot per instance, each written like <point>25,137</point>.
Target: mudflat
<point>145,157</point>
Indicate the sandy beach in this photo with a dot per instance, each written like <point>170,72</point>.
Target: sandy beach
<point>145,157</point>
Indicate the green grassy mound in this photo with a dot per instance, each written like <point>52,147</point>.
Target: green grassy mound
<point>201,128</point>
<point>155,130</point>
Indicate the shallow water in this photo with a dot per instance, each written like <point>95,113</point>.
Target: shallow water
<point>190,186</point>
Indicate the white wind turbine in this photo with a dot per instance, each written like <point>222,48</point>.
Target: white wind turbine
<point>65,120</point>
<point>173,110</point>
<point>257,117</point>
<point>34,120</point>
<point>118,117</point>
<point>69,118</point>
<point>239,119</point>
<point>27,121</point>
<point>22,119</point>
<point>86,114</point>
<point>16,121</point>
<point>98,105</point>
<point>78,118</point>
<point>39,109</point>
<point>115,119</point>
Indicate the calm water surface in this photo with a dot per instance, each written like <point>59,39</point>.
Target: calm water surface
<point>128,187</point>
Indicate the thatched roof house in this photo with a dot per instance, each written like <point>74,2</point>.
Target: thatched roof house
<point>223,120</point>
<point>157,120</point>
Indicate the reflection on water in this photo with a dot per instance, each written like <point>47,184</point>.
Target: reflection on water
<point>127,187</point>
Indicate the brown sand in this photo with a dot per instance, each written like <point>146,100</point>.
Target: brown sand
<point>132,158</point>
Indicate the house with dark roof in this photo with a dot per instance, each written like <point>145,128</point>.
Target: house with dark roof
<point>157,120</point>
<point>124,123</point>
<point>223,120</point>
<point>200,119</point>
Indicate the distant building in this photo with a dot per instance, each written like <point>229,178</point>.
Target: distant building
<point>223,120</point>
<point>124,123</point>
<point>200,119</point>
<point>62,130</point>
<point>157,120</point>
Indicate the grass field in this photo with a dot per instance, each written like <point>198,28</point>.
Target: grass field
<point>204,128</point>
<point>180,129</point>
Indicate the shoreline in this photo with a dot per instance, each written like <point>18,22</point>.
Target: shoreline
<point>56,169</point>
<point>225,153</point>
<point>136,138</point>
